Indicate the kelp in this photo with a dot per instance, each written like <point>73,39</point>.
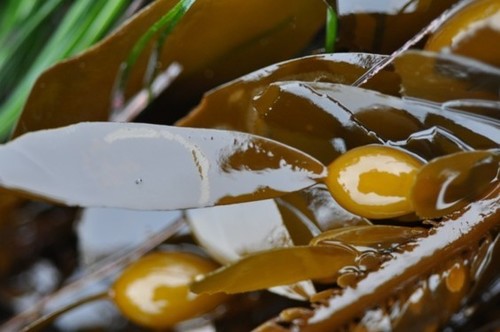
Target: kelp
<point>231,232</point>
<point>424,127</point>
<point>443,77</point>
<point>376,236</point>
<point>70,87</point>
<point>258,271</point>
<point>230,105</point>
<point>339,103</point>
<point>449,183</point>
<point>352,117</point>
<point>151,167</point>
<point>377,277</point>
<point>454,241</point>
<point>321,209</point>
<point>472,32</point>
<point>378,27</point>
<point>341,117</point>
<point>237,45</point>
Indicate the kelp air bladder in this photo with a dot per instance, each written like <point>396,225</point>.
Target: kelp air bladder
<point>374,181</point>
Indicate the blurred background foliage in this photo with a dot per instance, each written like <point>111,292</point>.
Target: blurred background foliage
<point>36,34</point>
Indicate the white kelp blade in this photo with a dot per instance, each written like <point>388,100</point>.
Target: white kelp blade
<point>231,232</point>
<point>152,167</point>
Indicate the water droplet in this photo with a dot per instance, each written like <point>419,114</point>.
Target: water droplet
<point>138,181</point>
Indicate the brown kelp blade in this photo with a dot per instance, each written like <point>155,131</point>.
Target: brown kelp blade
<point>230,105</point>
<point>449,183</point>
<point>224,42</point>
<point>376,26</point>
<point>277,267</point>
<point>442,77</point>
<point>151,167</point>
<point>377,236</point>
<point>420,126</point>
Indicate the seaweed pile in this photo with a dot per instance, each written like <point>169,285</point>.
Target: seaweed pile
<point>352,191</point>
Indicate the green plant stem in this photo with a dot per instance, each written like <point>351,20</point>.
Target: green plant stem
<point>167,23</point>
<point>331,29</point>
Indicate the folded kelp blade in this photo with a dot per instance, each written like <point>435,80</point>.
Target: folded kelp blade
<point>151,167</point>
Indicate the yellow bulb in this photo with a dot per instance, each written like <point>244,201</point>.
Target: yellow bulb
<point>474,31</point>
<point>374,181</point>
<point>154,292</point>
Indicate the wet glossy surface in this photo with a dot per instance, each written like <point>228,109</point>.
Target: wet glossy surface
<point>443,77</point>
<point>325,212</point>
<point>459,233</point>
<point>231,232</point>
<point>352,116</point>
<point>277,267</point>
<point>449,183</point>
<point>375,236</point>
<point>400,278</point>
<point>383,26</point>
<point>154,291</point>
<point>328,129</point>
<point>374,181</point>
<point>473,32</point>
<point>230,105</point>
<point>150,167</point>
<point>355,114</point>
<point>319,118</point>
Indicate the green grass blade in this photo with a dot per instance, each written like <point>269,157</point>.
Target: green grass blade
<point>12,13</point>
<point>24,31</point>
<point>331,30</point>
<point>85,23</point>
<point>101,24</point>
<point>167,23</point>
